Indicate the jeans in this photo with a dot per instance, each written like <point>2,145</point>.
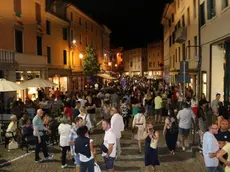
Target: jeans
<point>118,147</point>
<point>42,146</point>
<point>219,168</point>
<point>63,156</point>
<point>87,165</point>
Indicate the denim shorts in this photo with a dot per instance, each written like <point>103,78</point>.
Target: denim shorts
<point>184,132</point>
<point>109,162</point>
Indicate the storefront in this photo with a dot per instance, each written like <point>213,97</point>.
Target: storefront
<point>79,81</point>
<point>153,74</point>
<point>61,77</point>
<point>22,76</point>
<point>62,82</point>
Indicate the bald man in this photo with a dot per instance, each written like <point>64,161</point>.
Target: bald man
<point>40,139</point>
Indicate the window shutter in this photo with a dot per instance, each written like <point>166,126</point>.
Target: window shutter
<point>17,6</point>
<point>38,12</point>
<point>209,5</point>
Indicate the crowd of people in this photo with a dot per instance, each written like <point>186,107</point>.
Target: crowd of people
<point>75,115</point>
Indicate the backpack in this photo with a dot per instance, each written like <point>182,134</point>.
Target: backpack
<point>174,127</point>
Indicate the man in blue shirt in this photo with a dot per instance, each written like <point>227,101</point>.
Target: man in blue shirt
<point>72,137</point>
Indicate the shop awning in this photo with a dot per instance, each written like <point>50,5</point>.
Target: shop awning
<point>38,82</point>
<point>106,76</point>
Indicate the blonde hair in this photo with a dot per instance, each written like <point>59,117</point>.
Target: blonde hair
<point>13,117</point>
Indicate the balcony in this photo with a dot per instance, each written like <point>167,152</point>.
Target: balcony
<point>181,35</point>
<point>7,56</point>
<point>30,60</point>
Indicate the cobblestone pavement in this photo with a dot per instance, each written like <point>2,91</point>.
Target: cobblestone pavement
<point>130,160</point>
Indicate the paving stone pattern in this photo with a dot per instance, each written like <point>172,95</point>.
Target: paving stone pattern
<point>130,161</point>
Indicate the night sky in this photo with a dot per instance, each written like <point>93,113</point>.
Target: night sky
<point>133,22</point>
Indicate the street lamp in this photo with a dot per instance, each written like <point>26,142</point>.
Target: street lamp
<point>110,64</point>
<point>74,41</point>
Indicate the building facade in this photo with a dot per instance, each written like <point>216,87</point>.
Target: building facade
<point>155,55</point>
<point>135,61</point>
<point>47,39</point>
<point>116,59</point>
<point>180,21</point>
<point>22,29</point>
<point>84,31</point>
<point>215,36</point>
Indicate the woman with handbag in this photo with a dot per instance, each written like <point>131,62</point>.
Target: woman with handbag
<point>171,131</point>
<point>151,138</point>
<point>139,124</point>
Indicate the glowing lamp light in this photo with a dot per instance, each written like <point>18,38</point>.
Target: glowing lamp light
<point>74,41</point>
<point>115,65</point>
<point>109,63</point>
<point>80,56</point>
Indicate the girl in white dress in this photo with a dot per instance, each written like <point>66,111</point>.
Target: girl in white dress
<point>139,123</point>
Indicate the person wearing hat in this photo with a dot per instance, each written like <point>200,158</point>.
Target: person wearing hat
<point>139,125</point>
<point>11,130</point>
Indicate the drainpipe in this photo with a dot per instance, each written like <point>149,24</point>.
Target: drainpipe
<point>200,52</point>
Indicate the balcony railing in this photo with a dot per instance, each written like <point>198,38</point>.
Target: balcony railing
<point>7,56</point>
<point>181,35</point>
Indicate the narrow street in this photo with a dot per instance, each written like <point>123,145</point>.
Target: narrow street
<point>130,161</point>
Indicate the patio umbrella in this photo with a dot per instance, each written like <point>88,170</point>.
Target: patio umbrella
<point>38,82</point>
<point>106,76</point>
<point>6,86</point>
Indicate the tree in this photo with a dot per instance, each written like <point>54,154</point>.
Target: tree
<point>91,66</point>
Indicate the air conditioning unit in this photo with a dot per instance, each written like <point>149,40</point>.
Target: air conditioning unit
<point>181,35</point>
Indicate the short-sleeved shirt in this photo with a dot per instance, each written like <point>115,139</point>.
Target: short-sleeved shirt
<point>37,122</point>
<point>210,145</point>
<point>110,138</point>
<point>158,102</point>
<point>214,105</point>
<point>223,136</point>
<point>185,118</point>
<point>226,148</point>
<point>90,111</point>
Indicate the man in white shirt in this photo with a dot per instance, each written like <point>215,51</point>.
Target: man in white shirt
<point>117,126</point>
<point>186,117</point>
<point>109,144</point>
<point>210,149</point>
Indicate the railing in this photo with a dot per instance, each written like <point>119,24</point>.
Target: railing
<point>7,56</point>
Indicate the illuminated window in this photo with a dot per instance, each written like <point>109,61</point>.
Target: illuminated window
<point>204,83</point>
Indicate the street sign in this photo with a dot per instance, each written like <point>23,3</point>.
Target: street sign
<point>180,78</point>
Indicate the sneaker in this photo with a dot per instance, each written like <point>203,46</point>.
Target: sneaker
<point>50,157</point>
<point>38,161</point>
<point>64,166</point>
